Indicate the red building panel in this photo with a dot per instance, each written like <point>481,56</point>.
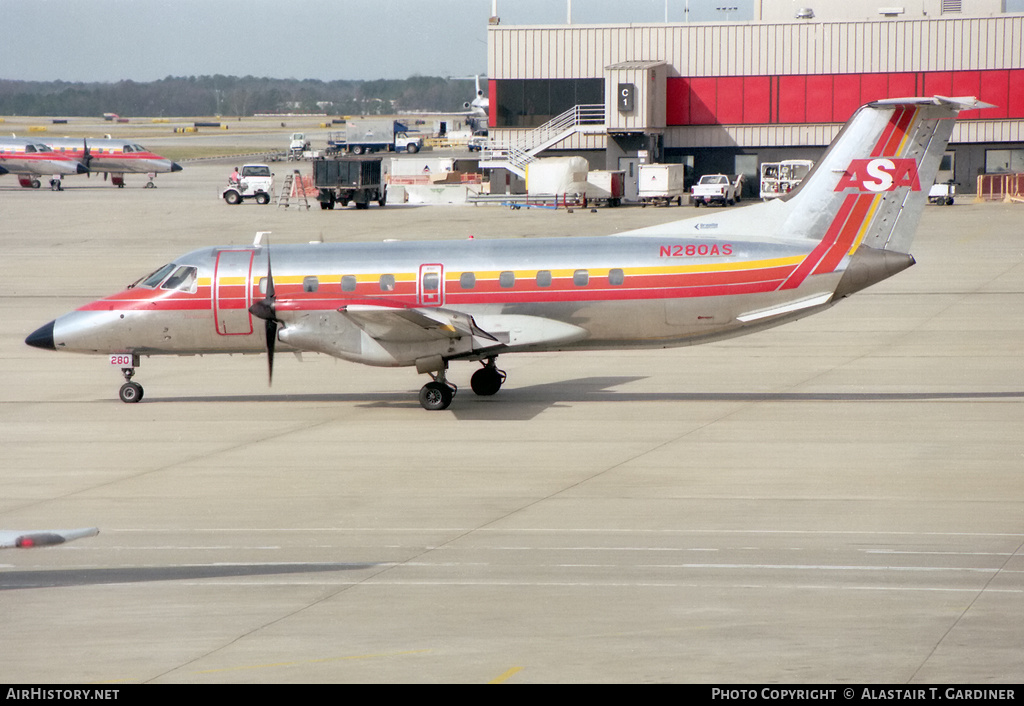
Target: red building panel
<point>492,105</point>
<point>903,85</point>
<point>846,96</point>
<point>966,83</point>
<point>757,95</point>
<point>874,87</point>
<point>938,83</point>
<point>1015,95</point>
<point>704,101</point>
<point>677,101</point>
<point>792,99</point>
<point>995,87</point>
<point>755,100</point>
<point>730,100</point>
<point>819,99</point>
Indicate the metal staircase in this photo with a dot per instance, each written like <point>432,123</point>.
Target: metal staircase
<point>522,148</point>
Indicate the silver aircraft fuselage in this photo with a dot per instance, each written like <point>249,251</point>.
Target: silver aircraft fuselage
<point>733,271</point>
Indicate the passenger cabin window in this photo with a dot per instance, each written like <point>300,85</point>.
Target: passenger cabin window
<point>183,280</point>
<point>507,279</point>
<point>310,284</point>
<point>348,283</point>
<point>580,278</point>
<point>616,277</point>
<point>387,283</point>
<point>544,278</point>
<point>467,280</point>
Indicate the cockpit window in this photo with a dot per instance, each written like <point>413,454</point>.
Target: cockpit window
<point>157,277</point>
<point>183,279</point>
<point>127,148</point>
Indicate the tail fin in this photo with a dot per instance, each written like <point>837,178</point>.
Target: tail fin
<point>871,185</point>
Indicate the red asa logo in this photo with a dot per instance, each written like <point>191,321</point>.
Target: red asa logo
<point>880,174</point>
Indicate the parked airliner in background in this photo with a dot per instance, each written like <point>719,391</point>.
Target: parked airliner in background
<point>31,159</point>
<point>481,104</point>
<point>11,539</point>
<point>113,157</point>
<point>847,226</point>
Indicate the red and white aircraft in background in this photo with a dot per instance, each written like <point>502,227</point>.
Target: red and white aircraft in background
<point>113,157</point>
<point>728,273</point>
<point>30,159</point>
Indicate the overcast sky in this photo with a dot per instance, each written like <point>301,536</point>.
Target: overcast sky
<point>144,40</point>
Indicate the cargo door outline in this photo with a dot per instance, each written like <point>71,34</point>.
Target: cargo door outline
<point>232,294</point>
<point>430,285</point>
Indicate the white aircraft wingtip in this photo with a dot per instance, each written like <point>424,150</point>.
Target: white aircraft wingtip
<point>43,538</point>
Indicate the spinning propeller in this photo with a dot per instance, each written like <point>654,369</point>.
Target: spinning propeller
<point>87,158</point>
<point>264,309</point>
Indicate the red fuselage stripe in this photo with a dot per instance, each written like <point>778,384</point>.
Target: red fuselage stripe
<point>805,267</point>
<point>843,244</point>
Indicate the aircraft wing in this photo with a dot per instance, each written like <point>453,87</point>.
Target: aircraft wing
<point>10,539</point>
<point>387,323</point>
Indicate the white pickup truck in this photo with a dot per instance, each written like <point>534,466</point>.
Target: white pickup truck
<point>716,188</point>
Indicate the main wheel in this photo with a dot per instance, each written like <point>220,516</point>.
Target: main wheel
<point>435,396</point>
<point>130,392</point>
<point>487,381</point>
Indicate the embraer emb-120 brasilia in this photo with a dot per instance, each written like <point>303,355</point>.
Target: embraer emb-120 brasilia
<point>848,225</point>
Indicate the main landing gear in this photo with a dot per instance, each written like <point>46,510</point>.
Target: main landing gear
<point>487,380</point>
<point>130,392</point>
<point>438,394</point>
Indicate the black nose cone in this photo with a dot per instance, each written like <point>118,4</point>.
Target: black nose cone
<point>42,338</point>
<point>175,167</point>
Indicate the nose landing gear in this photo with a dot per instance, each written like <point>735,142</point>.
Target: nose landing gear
<point>130,392</point>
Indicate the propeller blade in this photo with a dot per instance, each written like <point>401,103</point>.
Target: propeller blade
<point>271,343</point>
<point>264,309</point>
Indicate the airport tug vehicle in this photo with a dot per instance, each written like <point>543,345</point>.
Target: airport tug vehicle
<point>256,183</point>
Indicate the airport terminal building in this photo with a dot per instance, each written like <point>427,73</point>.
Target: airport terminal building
<point>725,96</point>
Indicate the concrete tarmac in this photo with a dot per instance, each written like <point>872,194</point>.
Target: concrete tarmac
<point>836,500</point>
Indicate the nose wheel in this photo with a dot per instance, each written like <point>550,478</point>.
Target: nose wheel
<point>130,392</point>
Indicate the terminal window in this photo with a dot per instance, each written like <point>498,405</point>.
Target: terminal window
<point>532,102</point>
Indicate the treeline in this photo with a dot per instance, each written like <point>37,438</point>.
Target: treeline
<point>234,96</point>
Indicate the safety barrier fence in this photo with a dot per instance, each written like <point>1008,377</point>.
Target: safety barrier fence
<point>1000,187</point>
